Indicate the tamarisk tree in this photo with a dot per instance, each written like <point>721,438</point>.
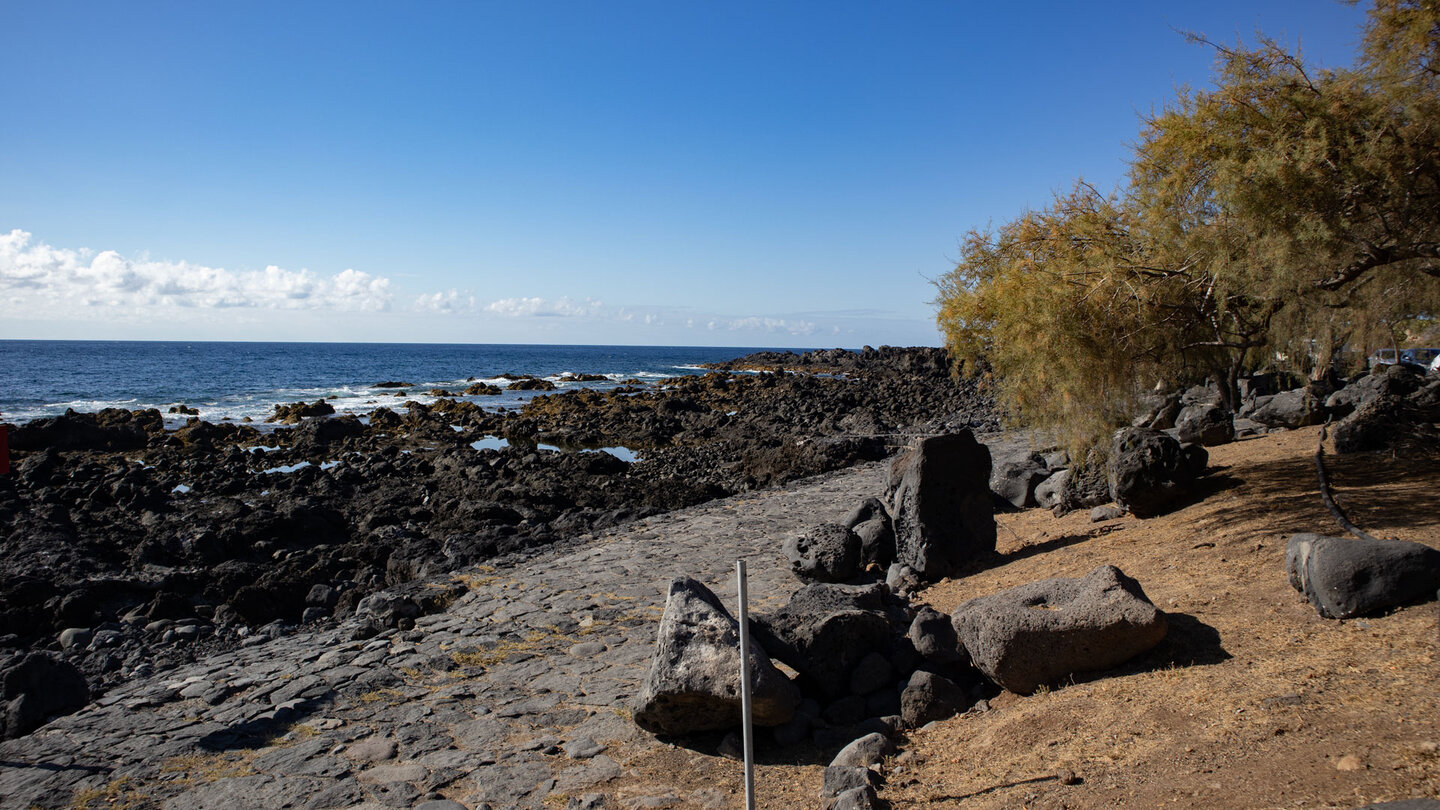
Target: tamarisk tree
<point>1283,213</point>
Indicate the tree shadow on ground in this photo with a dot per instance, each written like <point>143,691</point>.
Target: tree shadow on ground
<point>1215,481</point>
<point>1379,491</point>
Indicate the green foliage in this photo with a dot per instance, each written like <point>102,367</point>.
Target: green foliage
<point>1283,214</point>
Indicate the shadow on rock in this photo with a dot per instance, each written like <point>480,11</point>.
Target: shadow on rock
<point>264,729</point>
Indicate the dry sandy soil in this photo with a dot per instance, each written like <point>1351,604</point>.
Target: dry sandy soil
<point>1253,700</point>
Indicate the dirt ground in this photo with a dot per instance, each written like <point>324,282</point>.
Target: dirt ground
<point>1252,701</point>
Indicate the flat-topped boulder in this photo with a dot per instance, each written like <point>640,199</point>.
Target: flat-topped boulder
<point>1043,632</point>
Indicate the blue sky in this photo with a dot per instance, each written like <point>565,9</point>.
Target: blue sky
<point>681,173</point>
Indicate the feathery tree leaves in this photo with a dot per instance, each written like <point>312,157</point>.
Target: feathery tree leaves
<point>1286,212</point>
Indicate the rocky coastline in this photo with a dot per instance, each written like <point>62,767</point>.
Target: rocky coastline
<point>131,549</point>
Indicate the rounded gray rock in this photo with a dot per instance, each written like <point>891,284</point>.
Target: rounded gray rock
<point>829,552</point>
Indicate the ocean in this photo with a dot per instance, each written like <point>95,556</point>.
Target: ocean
<point>233,381</point>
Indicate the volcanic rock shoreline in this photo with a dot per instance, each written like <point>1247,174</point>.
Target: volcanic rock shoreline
<point>129,548</point>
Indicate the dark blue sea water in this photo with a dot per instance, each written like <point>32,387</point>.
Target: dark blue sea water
<point>237,380</point>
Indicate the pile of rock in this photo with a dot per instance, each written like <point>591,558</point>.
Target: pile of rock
<point>868,662</point>
<point>1375,409</point>
<point>1146,472</point>
<point>935,521</point>
<point>1393,406</point>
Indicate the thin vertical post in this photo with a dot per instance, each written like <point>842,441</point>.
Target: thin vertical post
<point>749,732</point>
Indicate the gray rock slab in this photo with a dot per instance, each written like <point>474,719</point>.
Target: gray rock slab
<point>374,749</point>
<point>601,599</point>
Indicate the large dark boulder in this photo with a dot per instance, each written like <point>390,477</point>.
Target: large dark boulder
<point>35,687</point>
<point>826,630</point>
<point>1398,408</point>
<point>325,431</point>
<point>1206,424</point>
<point>1291,409</point>
<point>1375,425</point>
<point>939,494</point>
<point>1045,631</point>
<point>1343,577</point>
<point>829,552</point>
<point>1148,471</point>
<point>933,637</point>
<point>694,679</point>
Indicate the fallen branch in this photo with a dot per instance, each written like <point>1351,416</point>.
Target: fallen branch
<point>1325,489</point>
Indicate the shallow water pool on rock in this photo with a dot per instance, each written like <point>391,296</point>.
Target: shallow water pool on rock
<point>621,452</point>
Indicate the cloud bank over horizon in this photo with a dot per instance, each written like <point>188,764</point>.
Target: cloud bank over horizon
<point>41,283</point>
<point>43,277</point>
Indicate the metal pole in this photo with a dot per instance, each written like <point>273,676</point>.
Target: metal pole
<point>749,732</point>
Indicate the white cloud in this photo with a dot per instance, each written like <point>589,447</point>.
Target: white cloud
<point>49,278</point>
<point>545,308</point>
<point>446,302</point>
<point>84,293</point>
<point>646,316</point>
<point>764,324</point>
